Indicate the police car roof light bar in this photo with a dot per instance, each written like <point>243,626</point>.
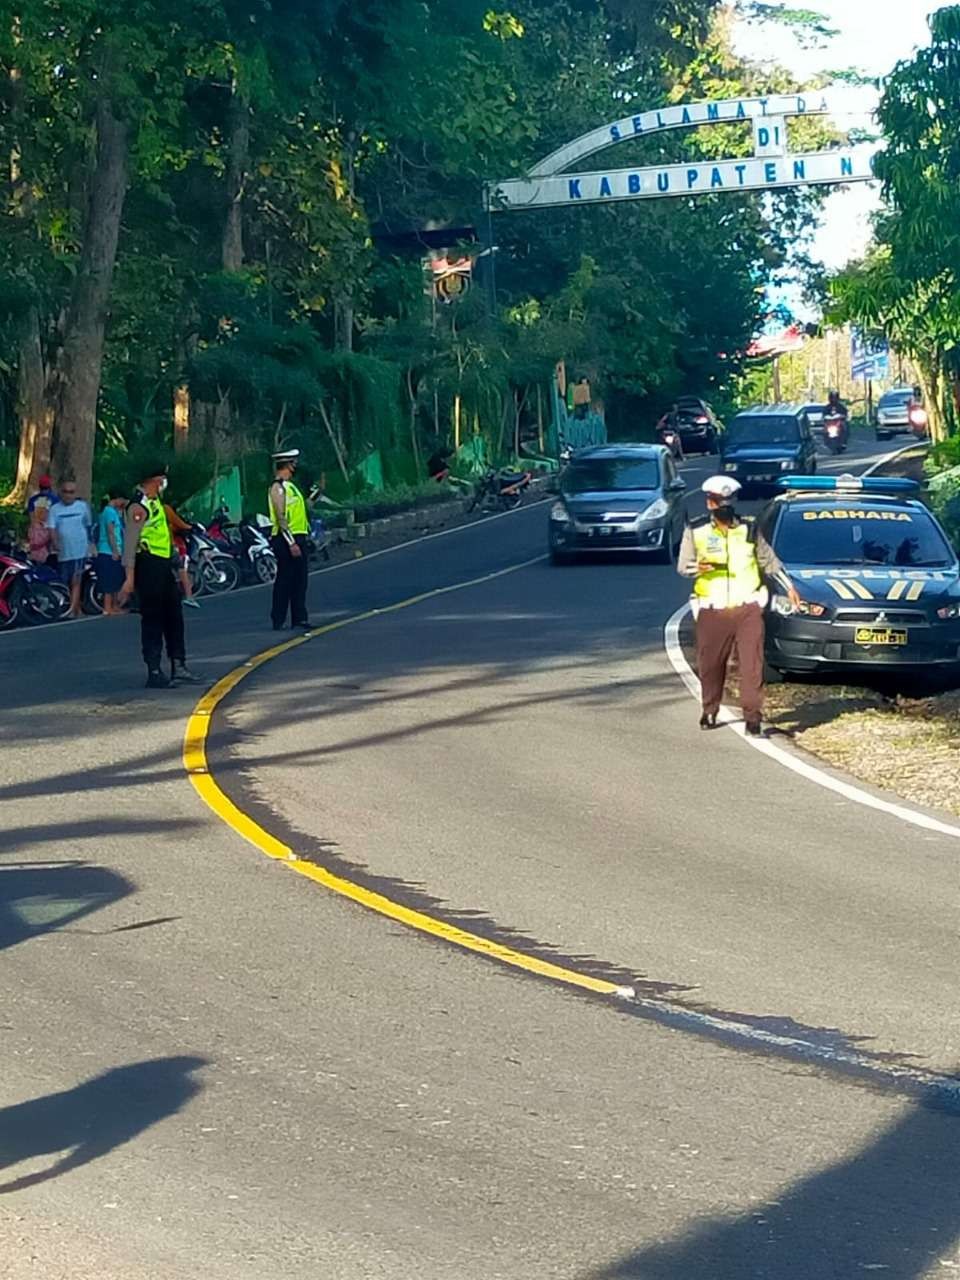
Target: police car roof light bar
<point>849,484</point>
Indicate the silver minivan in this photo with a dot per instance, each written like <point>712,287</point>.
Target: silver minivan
<point>893,412</point>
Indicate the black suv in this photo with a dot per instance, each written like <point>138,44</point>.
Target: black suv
<point>763,446</point>
<point>697,426</point>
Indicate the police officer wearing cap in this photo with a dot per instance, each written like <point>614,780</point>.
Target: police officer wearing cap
<point>290,526</point>
<point>151,569</point>
<point>730,561</point>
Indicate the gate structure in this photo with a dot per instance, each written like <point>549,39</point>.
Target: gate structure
<point>772,167</point>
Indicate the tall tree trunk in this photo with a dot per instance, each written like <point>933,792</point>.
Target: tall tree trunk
<point>76,387</point>
<point>181,418</point>
<point>238,158</point>
<point>34,411</point>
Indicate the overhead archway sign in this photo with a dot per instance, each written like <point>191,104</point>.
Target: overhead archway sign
<point>772,166</point>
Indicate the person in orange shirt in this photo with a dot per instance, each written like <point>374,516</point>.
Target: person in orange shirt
<point>178,531</point>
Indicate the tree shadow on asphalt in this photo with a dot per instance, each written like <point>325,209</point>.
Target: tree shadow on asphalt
<point>42,897</point>
<point>93,1118</point>
<point>892,1208</point>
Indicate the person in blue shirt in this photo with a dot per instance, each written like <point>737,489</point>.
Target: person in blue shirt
<point>71,525</point>
<point>44,496</point>
<point>109,563</point>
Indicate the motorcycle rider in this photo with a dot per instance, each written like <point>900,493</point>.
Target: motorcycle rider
<point>836,409</point>
<point>668,432</point>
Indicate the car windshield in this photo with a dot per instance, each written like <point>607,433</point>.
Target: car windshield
<point>611,475</point>
<point>875,535</point>
<point>772,430</point>
<point>895,399</point>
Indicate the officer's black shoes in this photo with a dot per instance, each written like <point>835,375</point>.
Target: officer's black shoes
<point>754,729</point>
<point>278,626</point>
<point>180,673</point>
<point>157,680</point>
<point>708,722</point>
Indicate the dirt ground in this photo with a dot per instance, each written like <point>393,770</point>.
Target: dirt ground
<point>907,744</point>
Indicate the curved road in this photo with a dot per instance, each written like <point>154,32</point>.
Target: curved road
<point>214,1068</point>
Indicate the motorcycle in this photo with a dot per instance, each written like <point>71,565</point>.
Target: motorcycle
<point>212,569</point>
<point>835,433</point>
<point>30,594</point>
<point>671,440</point>
<point>247,541</point>
<point>919,422</point>
<point>500,491</point>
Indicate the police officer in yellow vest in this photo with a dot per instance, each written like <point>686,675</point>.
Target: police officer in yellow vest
<point>730,561</point>
<point>148,556</point>
<point>290,526</point>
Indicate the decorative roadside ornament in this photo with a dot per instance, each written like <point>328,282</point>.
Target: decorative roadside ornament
<point>772,167</point>
<point>451,277</point>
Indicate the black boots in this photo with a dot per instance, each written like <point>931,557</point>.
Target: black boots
<point>156,679</point>
<point>708,722</point>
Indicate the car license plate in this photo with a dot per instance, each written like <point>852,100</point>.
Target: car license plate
<point>605,530</point>
<point>880,635</point>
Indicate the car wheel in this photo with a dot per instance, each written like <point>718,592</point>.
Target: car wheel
<point>664,555</point>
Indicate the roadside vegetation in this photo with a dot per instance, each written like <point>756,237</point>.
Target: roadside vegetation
<point>214,219</point>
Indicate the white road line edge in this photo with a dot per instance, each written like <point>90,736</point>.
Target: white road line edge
<point>788,759</point>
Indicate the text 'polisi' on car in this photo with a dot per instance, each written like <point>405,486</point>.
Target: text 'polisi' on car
<point>623,498</point>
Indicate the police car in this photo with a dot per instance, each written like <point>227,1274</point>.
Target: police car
<point>878,579</point>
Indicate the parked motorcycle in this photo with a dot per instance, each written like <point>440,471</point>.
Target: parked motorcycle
<point>248,542</point>
<point>500,491</point>
<point>836,434</point>
<point>30,594</point>
<point>212,569</point>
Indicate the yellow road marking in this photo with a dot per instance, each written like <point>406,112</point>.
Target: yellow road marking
<point>897,590</point>
<point>841,588</point>
<point>196,763</point>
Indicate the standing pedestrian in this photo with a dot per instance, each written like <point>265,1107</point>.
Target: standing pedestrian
<point>109,562</point>
<point>39,537</point>
<point>729,561</point>
<point>71,528</point>
<point>151,569</point>
<point>290,526</point>
<point>44,497</point>
<point>581,398</point>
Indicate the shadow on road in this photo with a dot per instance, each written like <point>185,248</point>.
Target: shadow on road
<point>94,1118</point>
<point>893,1208</point>
<point>41,897</point>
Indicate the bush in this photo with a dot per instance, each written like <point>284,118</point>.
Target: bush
<point>402,498</point>
<point>189,472</point>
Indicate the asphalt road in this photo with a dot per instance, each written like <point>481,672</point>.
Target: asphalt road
<point>213,1068</point>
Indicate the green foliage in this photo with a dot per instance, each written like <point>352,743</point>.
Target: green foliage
<point>188,472</point>
<point>335,129</point>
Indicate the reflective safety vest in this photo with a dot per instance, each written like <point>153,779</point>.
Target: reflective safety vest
<point>155,532</point>
<point>296,509</point>
<point>737,578</point>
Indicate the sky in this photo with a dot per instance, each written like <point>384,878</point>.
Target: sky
<point>873,35</point>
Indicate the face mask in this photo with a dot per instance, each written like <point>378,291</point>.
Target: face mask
<point>725,515</point>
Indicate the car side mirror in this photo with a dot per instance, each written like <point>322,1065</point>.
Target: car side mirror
<point>678,486</point>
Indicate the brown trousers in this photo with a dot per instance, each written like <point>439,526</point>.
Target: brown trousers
<point>718,632</point>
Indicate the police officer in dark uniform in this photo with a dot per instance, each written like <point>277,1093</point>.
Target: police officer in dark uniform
<point>290,525</point>
<point>151,570</point>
